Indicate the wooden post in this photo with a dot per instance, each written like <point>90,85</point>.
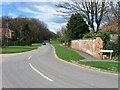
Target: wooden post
<point>110,55</point>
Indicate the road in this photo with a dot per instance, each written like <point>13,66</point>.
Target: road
<point>41,69</point>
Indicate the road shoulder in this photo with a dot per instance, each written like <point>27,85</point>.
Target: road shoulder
<point>84,66</point>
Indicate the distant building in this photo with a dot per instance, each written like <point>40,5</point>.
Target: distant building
<point>6,32</point>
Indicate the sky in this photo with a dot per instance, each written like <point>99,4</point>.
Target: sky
<point>40,9</point>
<point>43,10</point>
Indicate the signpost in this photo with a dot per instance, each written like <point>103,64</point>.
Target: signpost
<point>110,51</point>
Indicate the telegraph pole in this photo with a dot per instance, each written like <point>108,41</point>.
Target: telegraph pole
<point>7,31</point>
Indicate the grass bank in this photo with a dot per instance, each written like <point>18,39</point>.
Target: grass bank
<point>18,49</point>
<point>65,53</point>
<point>109,66</point>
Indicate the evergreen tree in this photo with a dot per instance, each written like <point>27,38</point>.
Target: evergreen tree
<point>76,27</point>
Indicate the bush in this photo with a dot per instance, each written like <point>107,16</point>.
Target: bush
<point>89,35</point>
<point>23,43</point>
<point>4,42</point>
<point>110,31</point>
<point>11,43</point>
<point>118,41</point>
<point>0,42</point>
<point>105,37</point>
<point>113,46</point>
<point>107,44</point>
<point>17,43</point>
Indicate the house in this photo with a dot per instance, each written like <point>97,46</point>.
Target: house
<point>6,32</point>
<point>112,24</point>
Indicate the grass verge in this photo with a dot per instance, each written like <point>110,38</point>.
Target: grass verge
<point>109,66</point>
<point>18,49</point>
<point>65,53</point>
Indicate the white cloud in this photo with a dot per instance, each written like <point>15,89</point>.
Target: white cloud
<point>12,15</point>
<point>33,0</point>
<point>45,13</point>
<point>49,0</point>
<point>55,26</point>
<point>46,9</point>
<point>27,10</point>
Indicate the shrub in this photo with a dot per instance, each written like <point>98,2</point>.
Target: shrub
<point>89,35</point>
<point>111,31</point>
<point>17,43</point>
<point>113,46</point>
<point>4,42</point>
<point>0,43</point>
<point>105,37</point>
<point>23,43</point>
<point>11,43</point>
<point>107,44</point>
<point>118,41</point>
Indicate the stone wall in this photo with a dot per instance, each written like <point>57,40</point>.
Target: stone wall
<point>90,46</point>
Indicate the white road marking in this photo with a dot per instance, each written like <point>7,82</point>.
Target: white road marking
<point>29,57</point>
<point>40,73</point>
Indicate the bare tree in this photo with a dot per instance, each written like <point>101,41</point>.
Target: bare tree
<point>115,8</point>
<point>92,11</point>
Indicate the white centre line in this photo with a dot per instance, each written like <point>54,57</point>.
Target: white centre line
<point>29,57</point>
<point>40,73</point>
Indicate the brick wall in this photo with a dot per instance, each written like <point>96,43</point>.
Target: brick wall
<point>90,46</point>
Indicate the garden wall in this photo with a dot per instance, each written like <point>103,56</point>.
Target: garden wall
<point>90,46</point>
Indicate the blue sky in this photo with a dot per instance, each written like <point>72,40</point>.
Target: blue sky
<point>44,11</point>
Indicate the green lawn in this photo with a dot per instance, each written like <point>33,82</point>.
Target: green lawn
<point>65,53</point>
<point>0,50</point>
<point>109,66</point>
<point>18,49</point>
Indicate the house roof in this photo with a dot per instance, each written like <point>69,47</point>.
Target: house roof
<point>5,30</point>
<point>112,24</point>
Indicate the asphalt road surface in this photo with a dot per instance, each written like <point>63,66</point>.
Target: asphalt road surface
<point>41,69</point>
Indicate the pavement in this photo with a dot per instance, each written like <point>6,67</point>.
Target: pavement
<point>90,58</point>
<point>86,56</point>
<point>40,68</point>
